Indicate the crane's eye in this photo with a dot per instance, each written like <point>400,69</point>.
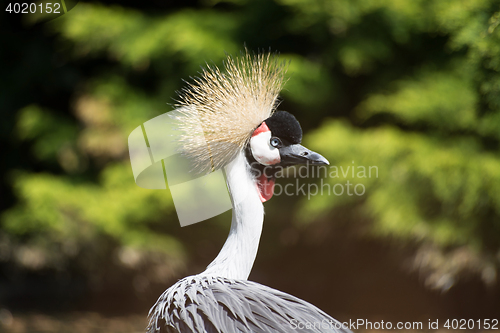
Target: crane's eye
<point>275,142</point>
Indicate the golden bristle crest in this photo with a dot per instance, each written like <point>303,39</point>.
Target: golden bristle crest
<point>221,109</point>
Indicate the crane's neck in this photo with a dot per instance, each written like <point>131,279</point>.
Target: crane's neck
<point>237,256</point>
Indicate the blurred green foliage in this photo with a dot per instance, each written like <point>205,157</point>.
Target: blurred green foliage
<point>437,137</point>
<point>412,87</point>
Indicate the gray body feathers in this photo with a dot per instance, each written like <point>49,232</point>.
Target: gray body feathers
<point>199,304</point>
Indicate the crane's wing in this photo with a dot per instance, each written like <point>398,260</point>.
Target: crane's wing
<point>213,304</point>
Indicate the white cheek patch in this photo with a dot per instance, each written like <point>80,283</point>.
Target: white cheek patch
<point>262,150</point>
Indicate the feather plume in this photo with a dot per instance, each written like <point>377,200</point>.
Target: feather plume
<point>221,108</point>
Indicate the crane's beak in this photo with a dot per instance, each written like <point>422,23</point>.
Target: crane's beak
<point>298,154</point>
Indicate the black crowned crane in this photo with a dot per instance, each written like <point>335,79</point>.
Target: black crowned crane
<point>249,140</point>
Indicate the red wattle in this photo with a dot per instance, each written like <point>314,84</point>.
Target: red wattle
<point>265,187</point>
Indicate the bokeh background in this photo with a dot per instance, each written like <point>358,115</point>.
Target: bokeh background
<point>411,87</point>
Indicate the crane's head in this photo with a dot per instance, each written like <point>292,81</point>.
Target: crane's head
<point>225,112</point>
<point>274,144</point>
